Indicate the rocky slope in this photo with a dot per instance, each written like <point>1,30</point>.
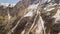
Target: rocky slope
<point>31,17</point>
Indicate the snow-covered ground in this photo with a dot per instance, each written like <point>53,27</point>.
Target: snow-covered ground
<point>7,4</point>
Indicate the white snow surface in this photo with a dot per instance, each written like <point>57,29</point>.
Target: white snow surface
<point>31,8</point>
<point>7,4</point>
<point>57,16</point>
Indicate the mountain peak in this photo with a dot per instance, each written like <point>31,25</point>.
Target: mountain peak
<point>7,4</point>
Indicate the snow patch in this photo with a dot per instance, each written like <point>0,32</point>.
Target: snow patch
<point>50,9</point>
<point>57,16</point>
<point>7,4</point>
<point>29,14</point>
<point>31,8</point>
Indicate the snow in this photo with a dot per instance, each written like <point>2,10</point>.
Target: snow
<point>29,14</point>
<point>50,9</point>
<point>58,33</point>
<point>4,4</point>
<point>7,4</point>
<point>57,16</point>
<point>40,27</point>
<point>31,8</point>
